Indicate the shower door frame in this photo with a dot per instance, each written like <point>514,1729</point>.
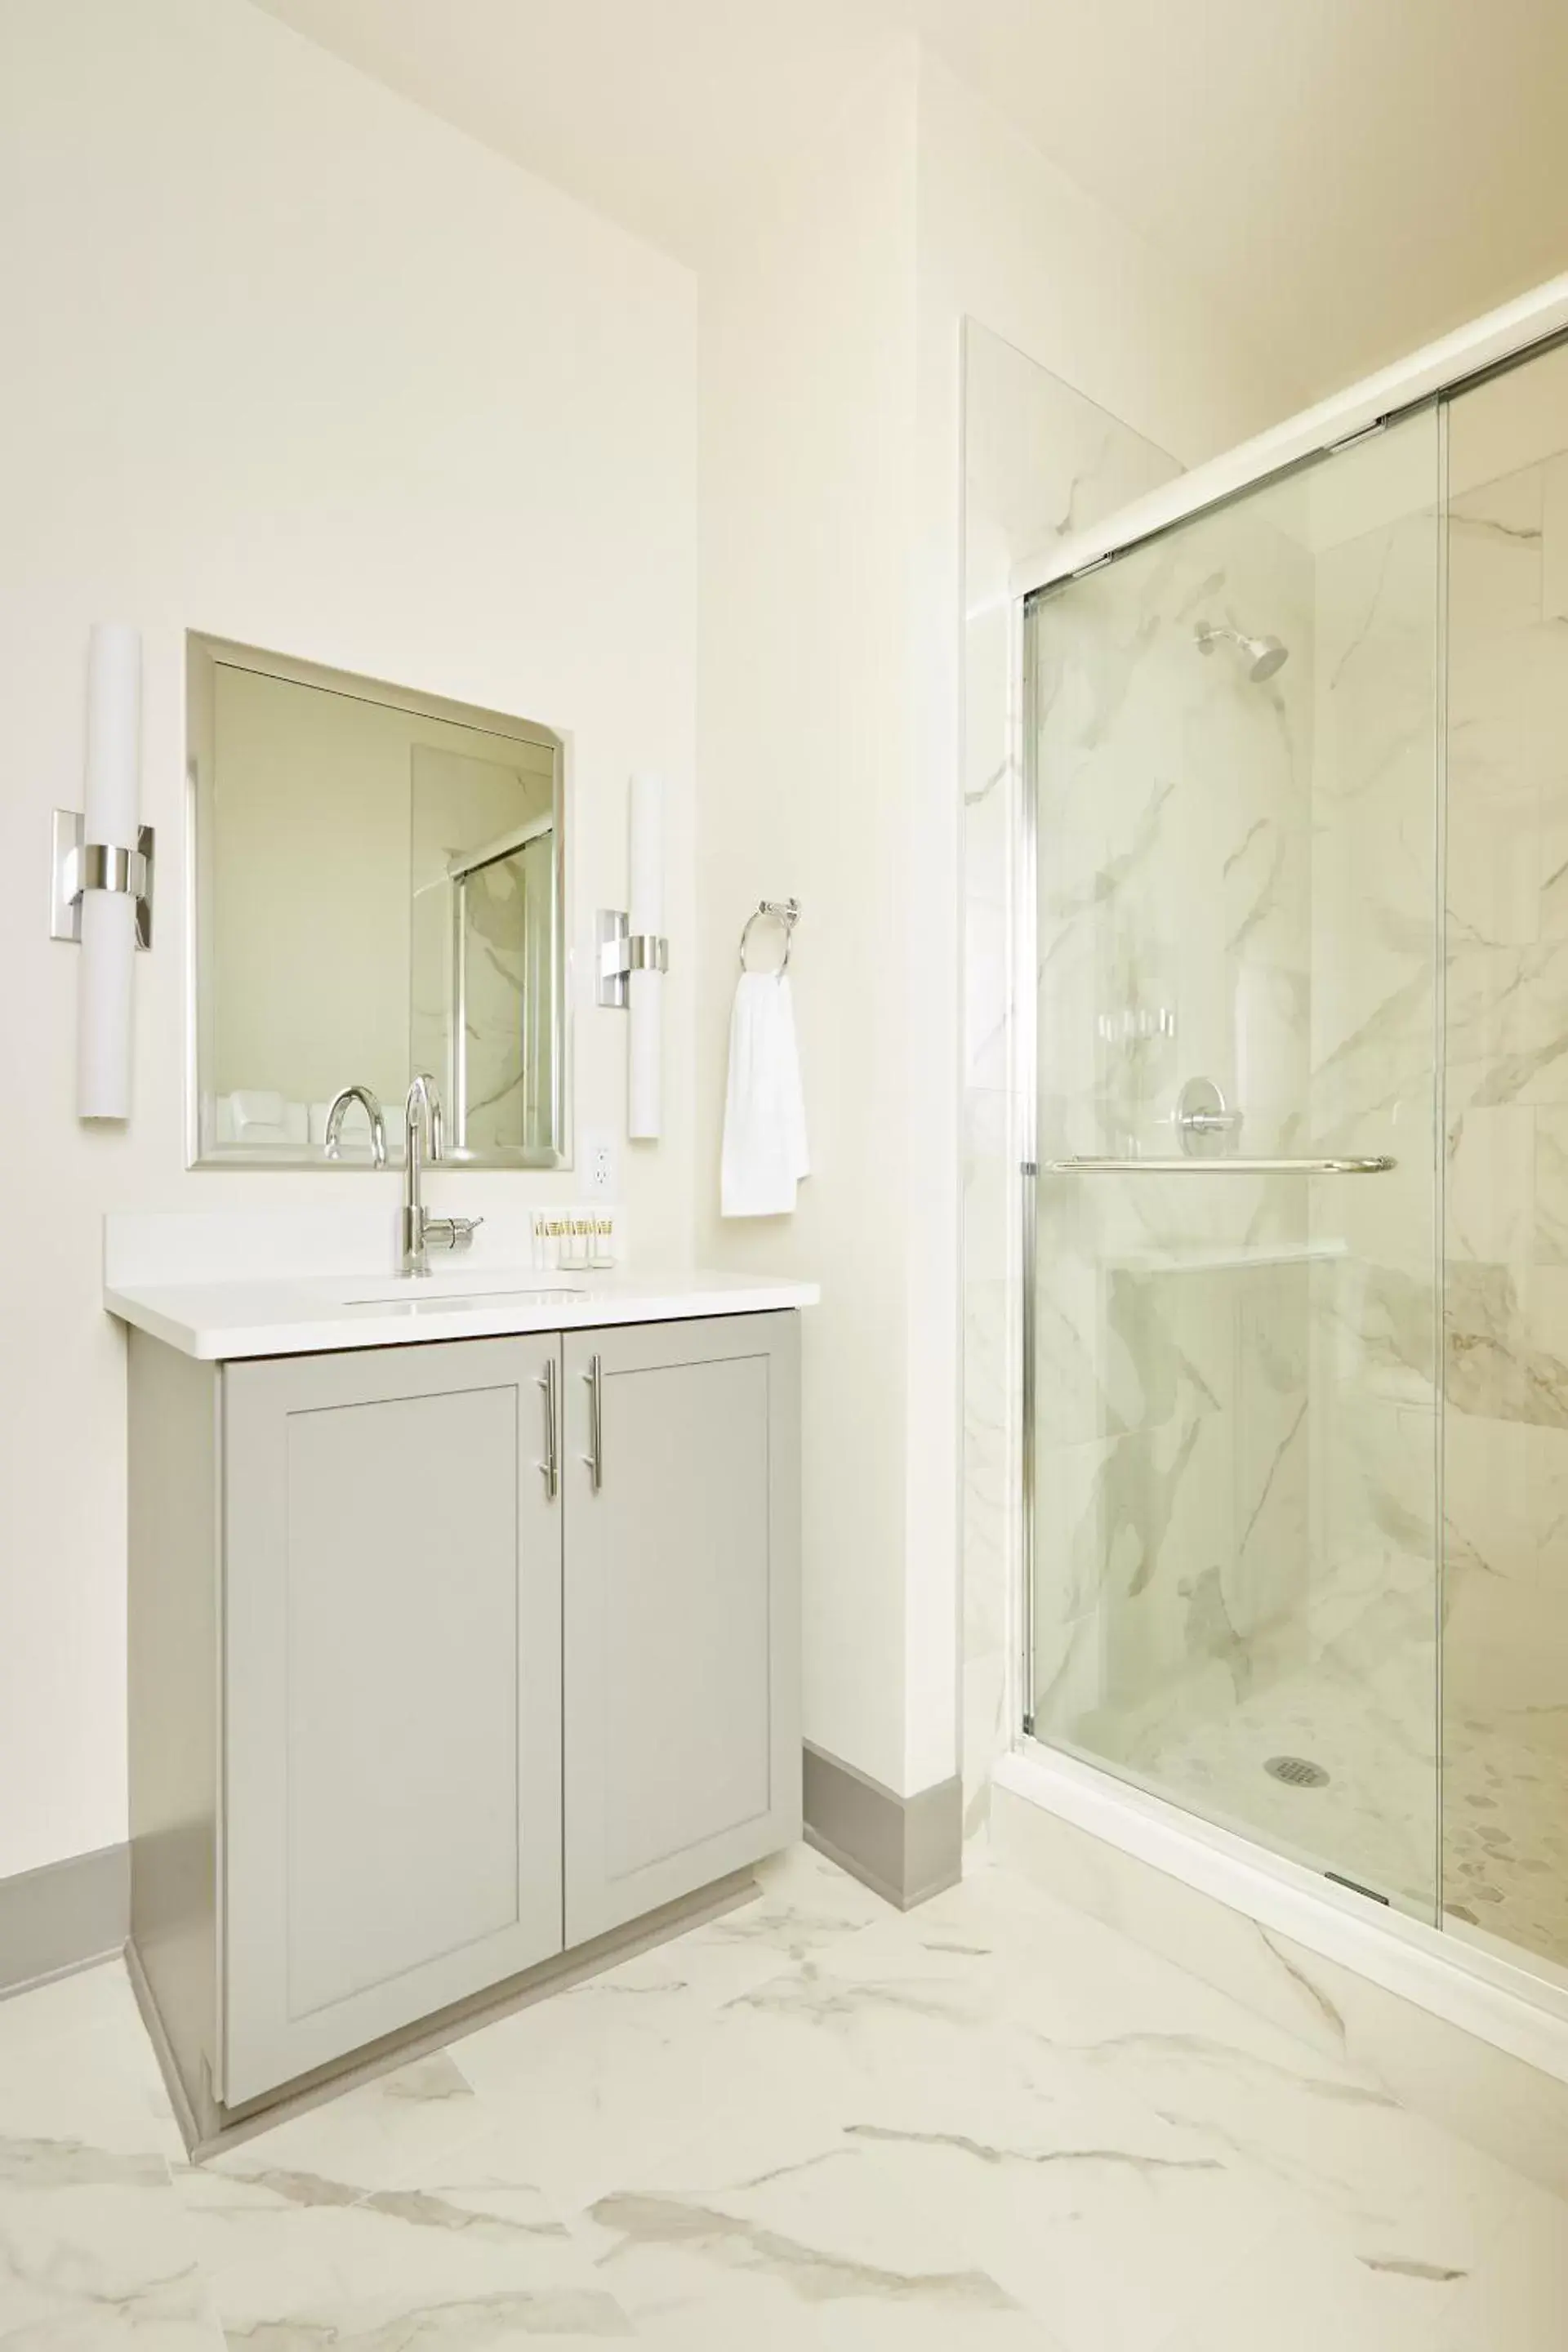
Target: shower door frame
<point>1492,346</point>
<point>1502,339</point>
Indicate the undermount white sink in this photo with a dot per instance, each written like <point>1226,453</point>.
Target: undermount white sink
<point>451,1289</point>
<point>439,1302</point>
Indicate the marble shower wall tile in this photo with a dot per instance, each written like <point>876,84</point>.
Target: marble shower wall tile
<point>991,1430</point>
<point>1506,1293</point>
<point>1374,913</point>
<point>1549,1187</point>
<point>1262,1581</point>
<point>1554,539</point>
<point>1490,1193</point>
<point>1495,568</point>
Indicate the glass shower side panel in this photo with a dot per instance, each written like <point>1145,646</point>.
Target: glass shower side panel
<point>1233,743</point>
<point>505,951</point>
<point>1506,1425</point>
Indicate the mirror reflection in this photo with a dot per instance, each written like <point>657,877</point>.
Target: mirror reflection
<point>379,893</point>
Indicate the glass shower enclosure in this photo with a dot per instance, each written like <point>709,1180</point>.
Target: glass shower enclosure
<point>1296,1401</point>
<point>1234,738</point>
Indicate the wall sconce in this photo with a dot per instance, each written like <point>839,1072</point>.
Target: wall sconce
<point>103,872</point>
<point>634,956</point>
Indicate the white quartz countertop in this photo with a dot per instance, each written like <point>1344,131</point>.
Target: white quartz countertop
<point>297,1315</point>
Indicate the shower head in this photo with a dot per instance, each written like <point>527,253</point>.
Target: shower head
<point>1265,655</point>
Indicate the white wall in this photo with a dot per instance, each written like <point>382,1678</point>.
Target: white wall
<point>807,426</point>
<point>290,362</point>
<point>830,641</point>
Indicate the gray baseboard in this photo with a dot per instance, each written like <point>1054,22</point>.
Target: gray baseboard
<point>63,1917</point>
<point>906,1849</point>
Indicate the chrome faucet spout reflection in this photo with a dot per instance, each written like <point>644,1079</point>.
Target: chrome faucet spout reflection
<point>420,1231</point>
<point>336,1110</point>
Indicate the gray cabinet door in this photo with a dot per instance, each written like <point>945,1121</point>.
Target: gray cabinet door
<point>392,1648</point>
<point>681,1609</point>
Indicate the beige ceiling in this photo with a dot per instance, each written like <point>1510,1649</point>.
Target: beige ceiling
<point>1354,176</point>
<point>1351,176</point>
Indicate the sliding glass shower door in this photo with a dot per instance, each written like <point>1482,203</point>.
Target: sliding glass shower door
<point>1234,1421</point>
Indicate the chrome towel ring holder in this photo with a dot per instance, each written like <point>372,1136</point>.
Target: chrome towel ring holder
<point>777,910</point>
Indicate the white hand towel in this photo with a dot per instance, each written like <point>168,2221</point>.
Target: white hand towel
<point>764,1113</point>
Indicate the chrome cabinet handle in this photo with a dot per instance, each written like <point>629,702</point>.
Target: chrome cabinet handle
<point>595,1457</point>
<point>550,1465</point>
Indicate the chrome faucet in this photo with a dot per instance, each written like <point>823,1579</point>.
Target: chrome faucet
<point>335,1111</point>
<point>418,1228</point>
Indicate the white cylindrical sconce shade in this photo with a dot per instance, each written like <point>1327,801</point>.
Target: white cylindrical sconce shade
<point>645,991</point>
<point>110,818</point>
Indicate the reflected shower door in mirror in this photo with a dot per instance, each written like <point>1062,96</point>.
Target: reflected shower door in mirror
<point>1233,1411</point>
<point>379,891</point>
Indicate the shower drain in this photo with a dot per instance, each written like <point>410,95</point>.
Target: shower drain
<point>1297,1772</point>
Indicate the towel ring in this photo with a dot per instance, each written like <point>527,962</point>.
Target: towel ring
<point>778,910</point>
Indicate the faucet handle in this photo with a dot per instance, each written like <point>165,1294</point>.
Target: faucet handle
<point>451,1233</point>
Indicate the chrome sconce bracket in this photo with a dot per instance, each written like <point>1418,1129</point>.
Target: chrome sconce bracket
<point>80,865</point>
<point>618,952</point>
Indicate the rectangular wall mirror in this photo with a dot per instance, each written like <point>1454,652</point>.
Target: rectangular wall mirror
<point>379,886</point>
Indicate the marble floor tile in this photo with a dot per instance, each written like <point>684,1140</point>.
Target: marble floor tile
<point>68,2006</point>
<point>612,2078</point>
<point>1518,2302</point>
<point>1047,2186</point>
<point>816,2126</point>
<point>984,2083</point>
<point>820,2246</point>
<point>96,2252</point>
<point>384,2134</point>
<point>95,2248</point>
<point>805,1905</point>
<point>1292,2295</point>
<point>98,2089</point>
<point>475,2258</point>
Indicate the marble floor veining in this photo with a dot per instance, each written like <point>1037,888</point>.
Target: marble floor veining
<point>992,2123</point>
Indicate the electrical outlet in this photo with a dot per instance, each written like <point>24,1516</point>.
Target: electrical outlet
<point>599,1164</point>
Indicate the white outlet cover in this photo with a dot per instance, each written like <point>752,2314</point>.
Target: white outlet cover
<point>599,1163</point>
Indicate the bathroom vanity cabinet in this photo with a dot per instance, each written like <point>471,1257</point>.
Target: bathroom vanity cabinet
<point>446,1660</point>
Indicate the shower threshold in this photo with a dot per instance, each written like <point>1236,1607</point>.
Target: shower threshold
<point>1210,1898</point>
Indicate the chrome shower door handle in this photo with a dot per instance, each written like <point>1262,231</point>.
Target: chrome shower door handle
<point>595,1457</point>
<point>550,1465</point>
<point>1374,1164</point>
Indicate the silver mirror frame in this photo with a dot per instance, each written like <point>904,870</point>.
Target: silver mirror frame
<point>203,654</point>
